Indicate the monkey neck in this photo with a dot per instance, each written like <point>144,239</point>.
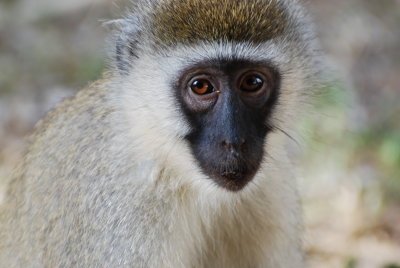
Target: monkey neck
<point>212,223</point>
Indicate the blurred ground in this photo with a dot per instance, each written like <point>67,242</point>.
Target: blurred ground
<point>352,177</point>
<point>351,164</point>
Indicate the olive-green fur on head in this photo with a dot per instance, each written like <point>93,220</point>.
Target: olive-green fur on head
<point>188,21</point>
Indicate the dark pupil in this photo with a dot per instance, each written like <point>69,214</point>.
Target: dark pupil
<point>198,84</point>
<point>253,83</point>
<point>202,87</point>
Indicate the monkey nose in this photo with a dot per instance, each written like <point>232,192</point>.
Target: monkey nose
<point>233,147</point>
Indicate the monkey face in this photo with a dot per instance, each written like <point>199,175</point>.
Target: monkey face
<point>228,104</point>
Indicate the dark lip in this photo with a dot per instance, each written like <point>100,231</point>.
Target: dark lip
<point>233,173</point>
<point>233,181</point>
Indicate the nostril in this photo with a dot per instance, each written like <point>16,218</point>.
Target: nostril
<point>242,143</point>
<point>233,146</point>
<point>227,145</point>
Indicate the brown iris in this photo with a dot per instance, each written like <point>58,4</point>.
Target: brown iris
<point>251,83</point>
<point>202,87</point>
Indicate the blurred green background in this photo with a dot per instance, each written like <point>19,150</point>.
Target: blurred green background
<point>350,163</point>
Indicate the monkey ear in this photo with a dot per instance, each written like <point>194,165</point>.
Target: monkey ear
<point>126,48</point>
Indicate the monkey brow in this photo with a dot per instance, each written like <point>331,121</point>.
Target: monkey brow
<point>187,21</point>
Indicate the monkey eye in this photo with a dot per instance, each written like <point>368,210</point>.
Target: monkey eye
<point>202,87</point>
<point>251,83</point>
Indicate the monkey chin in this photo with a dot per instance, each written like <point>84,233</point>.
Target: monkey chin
<point>233,181</point>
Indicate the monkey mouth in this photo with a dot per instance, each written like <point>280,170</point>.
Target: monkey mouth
<point>232,175</point>
<point>233,180</point>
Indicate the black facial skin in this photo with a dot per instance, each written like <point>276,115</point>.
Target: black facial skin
<point>228,118</point>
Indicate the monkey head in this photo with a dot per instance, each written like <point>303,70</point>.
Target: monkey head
<point>220,77</point>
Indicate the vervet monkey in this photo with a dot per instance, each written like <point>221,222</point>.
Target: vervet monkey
<point>176,158</point>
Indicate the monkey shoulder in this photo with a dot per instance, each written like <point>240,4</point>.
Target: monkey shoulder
<point>69,141</point>
<point>87,108</point>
